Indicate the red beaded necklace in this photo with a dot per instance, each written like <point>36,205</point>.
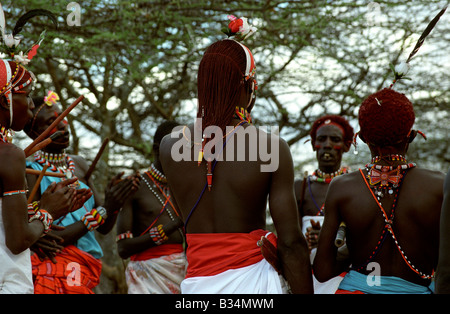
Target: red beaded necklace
<point>385,179</point>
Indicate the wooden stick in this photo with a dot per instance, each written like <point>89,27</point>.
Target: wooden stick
<point>37,184</point>
<point>47,174</point>
<point>54,124</point>
<point>97,158</point>
<point>44,143</point>
<point>38,146</point>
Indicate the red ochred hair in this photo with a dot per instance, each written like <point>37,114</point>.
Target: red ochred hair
<point>385,118</point>
<point>334,119</point>
<point>220,82</point>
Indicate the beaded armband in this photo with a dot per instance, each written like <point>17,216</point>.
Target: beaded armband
<point>16,192</point>
<point>125,235</point>
<point>44,217</point>
<point>93,219</point>
<point>158,235</point>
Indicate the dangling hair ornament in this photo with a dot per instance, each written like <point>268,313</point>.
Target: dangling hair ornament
<point>12,41</point>
<point>239,28</point>
<point>402,69</point>
<point>51,98</point>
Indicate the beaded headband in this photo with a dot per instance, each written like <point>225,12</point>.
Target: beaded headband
<point>329,122</point>
<point>239,29</point>
<point>9,82</point>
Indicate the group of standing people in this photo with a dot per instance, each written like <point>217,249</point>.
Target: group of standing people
<point>197,225</point>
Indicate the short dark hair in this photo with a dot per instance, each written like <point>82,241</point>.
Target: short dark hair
<point>163,129</point>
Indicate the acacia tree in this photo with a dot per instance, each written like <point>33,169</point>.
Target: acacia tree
<point>136,63</point>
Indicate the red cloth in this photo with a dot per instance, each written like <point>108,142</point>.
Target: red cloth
<point>209,254</point>
<point>76,272</point>
<point>157,251</point>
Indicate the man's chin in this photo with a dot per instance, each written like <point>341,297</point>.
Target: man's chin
<point>60,144</point>
<point>329,162</point>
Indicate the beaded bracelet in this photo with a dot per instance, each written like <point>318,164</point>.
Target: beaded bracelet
<point>32,208</point>
<point>92,220</point>
<point>45,218</point>
<point>125,235</point>
<point>158,235</point>
<point>9,193</point>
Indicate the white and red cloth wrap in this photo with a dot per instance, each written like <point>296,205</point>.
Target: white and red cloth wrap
<point>226,263</point>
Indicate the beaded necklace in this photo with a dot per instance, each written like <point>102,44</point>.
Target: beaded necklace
<point>323,177</point>
<point>62,163</point>
<point>158,175</point>
<point>385,179</point>
<point>388,228</point>
<point>163,189</point>
<point>391,157</point>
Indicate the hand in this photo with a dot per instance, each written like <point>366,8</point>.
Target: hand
<point>118,190</point>
<point>81,196</point>
<point>58,198</point>
<point>48,246</point>
<point>312,234</point>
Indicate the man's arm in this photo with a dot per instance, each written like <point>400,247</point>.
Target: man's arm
<point>292,248</point>
<point>325,264</point>
<point>443,268</point>
<point>128,246</point>
<point>19,234</point>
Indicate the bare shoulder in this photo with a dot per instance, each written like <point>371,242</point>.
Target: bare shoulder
<point>345,184</point>
<point>347,178</point>
<point>431,179</point>
<point>431,174</point>
<point>12,175</point>
<point>80,162</point>
<point>12,156</point>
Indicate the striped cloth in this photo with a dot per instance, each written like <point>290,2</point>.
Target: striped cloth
<point>76,272</point>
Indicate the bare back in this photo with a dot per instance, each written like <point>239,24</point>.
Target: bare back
<point>415,224</point>
<point>240,189</point>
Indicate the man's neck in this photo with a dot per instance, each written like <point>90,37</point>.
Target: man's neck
<point>329,169</point>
